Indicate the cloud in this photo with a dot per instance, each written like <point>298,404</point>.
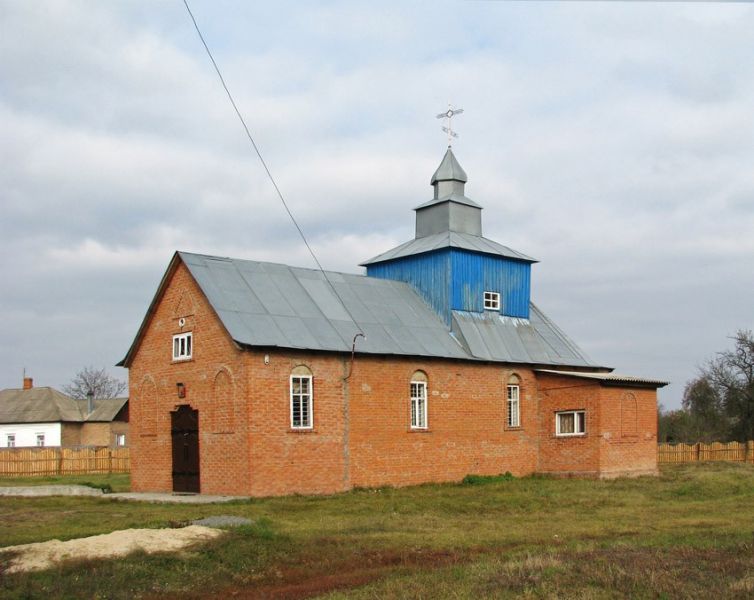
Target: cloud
<point>610,141</point>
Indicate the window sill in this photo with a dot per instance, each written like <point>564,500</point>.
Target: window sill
<point>419,430</point>
<point>182,360</point>
<point>566,436</point>
<point>302,430</point>
<point>517,428</point>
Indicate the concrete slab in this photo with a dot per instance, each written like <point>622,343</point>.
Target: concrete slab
<point>50,490</point>
<point>173,498</point>
<point>84,490</point>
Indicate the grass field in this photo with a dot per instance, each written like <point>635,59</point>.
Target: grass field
<point>686,534</point>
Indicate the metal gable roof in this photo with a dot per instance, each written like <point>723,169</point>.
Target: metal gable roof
<point>267,304</point>
<point>449,239</point>
<point>273,305</point>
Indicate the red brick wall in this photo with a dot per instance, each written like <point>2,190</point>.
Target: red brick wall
<point>621,429</point>
<point>568,455</point>
<point>466,418</point>
<point>629,432</point>
<point>284,460</point>
<point>223,447</point>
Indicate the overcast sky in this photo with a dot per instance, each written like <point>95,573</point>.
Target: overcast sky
<point>614,142</point>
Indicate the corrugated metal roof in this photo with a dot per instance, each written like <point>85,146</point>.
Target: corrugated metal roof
<point>48,405</point>
<point>267,304</point>
<point>449,239</point>
<point>537,340</point>
<point>449,169</point>
<point>609,377</point>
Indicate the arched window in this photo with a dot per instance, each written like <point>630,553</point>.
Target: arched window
<point>513,403</point>
<point>302,398</point>
<point>418,390</point>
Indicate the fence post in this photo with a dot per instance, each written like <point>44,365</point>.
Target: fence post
<point>698,451</point>
<point>60,460</point>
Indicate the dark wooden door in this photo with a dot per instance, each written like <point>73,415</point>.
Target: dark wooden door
<point>185,430</point>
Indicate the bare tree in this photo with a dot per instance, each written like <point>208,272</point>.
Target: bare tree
<point>96,381</point>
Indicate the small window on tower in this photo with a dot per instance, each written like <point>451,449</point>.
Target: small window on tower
<point>491,301</point>
<point>182,346</point>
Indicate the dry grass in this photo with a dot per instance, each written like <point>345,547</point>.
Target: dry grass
<point>685,534</point>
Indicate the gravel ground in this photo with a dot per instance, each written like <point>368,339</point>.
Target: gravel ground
<point>223,521</point>
<point>43,555</point>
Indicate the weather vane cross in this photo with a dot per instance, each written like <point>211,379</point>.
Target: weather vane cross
<point>449,114</point>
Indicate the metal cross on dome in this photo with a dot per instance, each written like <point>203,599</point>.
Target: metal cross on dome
<point>449,114</point>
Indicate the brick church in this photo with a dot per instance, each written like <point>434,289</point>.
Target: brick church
<point>258,379</point>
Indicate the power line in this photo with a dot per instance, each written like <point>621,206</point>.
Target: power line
<point>267,170</point>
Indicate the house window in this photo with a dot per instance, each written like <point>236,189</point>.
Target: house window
<point>10,440</point>
<point>419,401</point>
<point>491,301</point>
<point>40,439</point>
<point>182,346</point>
<point>514,407</point>
<point>301,401</point>
<point>571,422</point>
<point>120,439</point>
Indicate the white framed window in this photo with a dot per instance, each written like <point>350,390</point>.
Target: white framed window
<point>301,401</point>
<point>514,406</point>
<point>491,301</point>
<point>40,440</point>
<point>418,405</point>
<point>120,439</point>
<point>182,346</point>
<point>10,440</point>
<point>572,422</point>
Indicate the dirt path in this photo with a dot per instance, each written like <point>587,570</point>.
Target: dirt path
<point>43,555</point>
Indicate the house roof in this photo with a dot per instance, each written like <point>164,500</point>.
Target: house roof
<point>273,305</point>
<point>609,378</point>
<point>449,239</point>
<point>48,405</point>
<point>105,409</point>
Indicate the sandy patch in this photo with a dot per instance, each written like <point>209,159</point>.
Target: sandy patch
<point>43,555</point>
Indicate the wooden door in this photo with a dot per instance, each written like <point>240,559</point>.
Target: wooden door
<point>185,432</point>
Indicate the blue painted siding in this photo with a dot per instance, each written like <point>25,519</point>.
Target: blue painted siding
<point>427,273</point>
<point>452,279</point>
<point>473,274</point>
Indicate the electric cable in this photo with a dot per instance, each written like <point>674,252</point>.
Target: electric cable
<point>266,169</point>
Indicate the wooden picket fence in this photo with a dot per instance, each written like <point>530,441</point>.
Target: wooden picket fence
<point>24,462</point>
<point>680,453</point>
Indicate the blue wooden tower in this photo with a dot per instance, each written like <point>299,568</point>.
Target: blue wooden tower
<point>449,263</point>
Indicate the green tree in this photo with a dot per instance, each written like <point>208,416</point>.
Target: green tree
<point>706,418</point>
